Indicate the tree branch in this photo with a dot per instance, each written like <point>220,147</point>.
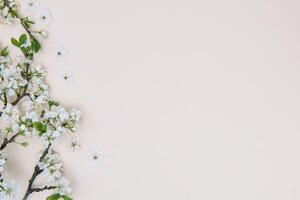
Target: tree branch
<point>43,189</point>
<point>37,171</point>
<point>7,141</point>
<point>19,98</point>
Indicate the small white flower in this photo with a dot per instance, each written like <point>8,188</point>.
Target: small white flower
<point>62,185</point>
<point>22,60</point>
<point>56,134</point>
<point>2,161</point>
<point>63,116</point>
<point>31,5</point>
<point>2,105</point>
<point>41,99</point>
<point>66,77</point>
<point>60,51</point>
<point>10,189</point>
<point>28,105</point>
<point>95,157</point>
<point>44,17</point>
<point>74,145</point>
<point>10,113</point>
<point>5,17</point>
<point>11,92</point>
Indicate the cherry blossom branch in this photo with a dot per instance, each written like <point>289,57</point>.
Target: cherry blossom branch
<point>37,171</point>
<point>24,93</point>
<point>35,120</point>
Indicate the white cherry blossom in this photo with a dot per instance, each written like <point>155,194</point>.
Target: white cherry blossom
<point>44,17</point>
<point>60,51</point>
<point>66,77</point>
<point>31,5</point>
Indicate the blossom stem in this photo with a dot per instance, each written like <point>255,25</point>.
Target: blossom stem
<point>37,171</point>
<point>5,98</point>
<point>19,98</point>
<point>7,141</point>
<point>43,188</point>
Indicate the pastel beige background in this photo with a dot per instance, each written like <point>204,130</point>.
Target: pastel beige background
<point>189,100</point>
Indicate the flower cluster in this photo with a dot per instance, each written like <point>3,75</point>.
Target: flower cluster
<point>47,121</point>
<point>52,170</point>
<point>38,115</point>
<point>21,77</point>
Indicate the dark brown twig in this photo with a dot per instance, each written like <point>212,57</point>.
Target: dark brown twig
<point>42,189</point>
<point>37,171</point>
<point>7,141</point>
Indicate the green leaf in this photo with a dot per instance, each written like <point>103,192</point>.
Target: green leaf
<point>35,45</point>
<point>40,127</point>
<point>4,52</point>
<point>22,39</point>
<point>52,103</point>
<point>65,197</point>
<point>15,42</point>
<point>21,132</point>
<point>53,197</point>
<point>24,144</point>
<point>26,22</point>
<point>57,196</point>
